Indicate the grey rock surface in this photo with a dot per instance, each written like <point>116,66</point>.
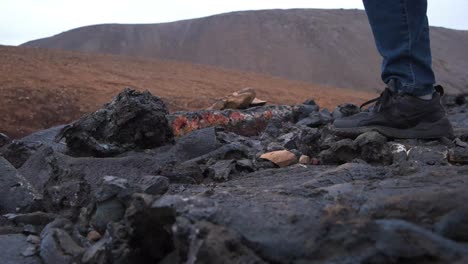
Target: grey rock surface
<point>58,247</point>
<point>12,247</point>
<point>16,193</point>
<point>211,198</point>
<point>154,185</point>
<point>19,151</point>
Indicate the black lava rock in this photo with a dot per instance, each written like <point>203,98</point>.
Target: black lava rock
<point>131,121</point>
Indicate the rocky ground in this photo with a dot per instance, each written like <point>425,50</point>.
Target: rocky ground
<point>131,183</point>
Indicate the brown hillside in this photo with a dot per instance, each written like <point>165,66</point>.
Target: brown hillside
<point>40,88</point>
<point>329,47</point>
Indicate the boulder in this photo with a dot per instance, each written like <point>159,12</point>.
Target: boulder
<point>131,121</point>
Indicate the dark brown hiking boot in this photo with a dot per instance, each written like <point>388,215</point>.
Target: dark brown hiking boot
<point>399,115</point>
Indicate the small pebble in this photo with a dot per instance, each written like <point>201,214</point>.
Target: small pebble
<point>93,236</point>
<point>304,159</point>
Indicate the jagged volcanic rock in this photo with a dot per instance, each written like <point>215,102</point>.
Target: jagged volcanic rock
<point>131,121</point>
<point>210,198</point>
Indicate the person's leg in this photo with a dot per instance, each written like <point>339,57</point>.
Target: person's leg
<point>401,34</point>
<point>409,107</point>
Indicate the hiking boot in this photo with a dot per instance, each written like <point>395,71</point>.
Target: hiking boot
<point>399,115</point>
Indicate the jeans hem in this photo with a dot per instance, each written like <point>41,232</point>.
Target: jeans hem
<point>410,88</point>
<point>417,90</point>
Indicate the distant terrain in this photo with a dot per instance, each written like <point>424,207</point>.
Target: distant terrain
<point>41,88</point>
<point>328,47</point>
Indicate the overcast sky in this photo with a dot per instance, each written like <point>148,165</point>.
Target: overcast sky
<point>24,20</point>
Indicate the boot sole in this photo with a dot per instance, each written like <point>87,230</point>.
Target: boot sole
<point>438,129</point>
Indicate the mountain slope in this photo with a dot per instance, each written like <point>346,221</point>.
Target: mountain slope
<point>330,47</point>
<point>40,88</point>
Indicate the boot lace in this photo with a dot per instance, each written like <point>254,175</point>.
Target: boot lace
<point>384,99</point>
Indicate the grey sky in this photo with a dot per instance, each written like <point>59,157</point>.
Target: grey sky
<point>24,20</point>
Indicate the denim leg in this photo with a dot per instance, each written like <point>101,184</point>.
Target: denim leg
<point>401,33</point>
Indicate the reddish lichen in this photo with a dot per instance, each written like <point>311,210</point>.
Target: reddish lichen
<point>178,125</point>
<point>236,116</point>
<point>213,119</point>
<point>236,121</point>
<point>268,114</point>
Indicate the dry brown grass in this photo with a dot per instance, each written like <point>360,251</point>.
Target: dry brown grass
<point>40,88</point>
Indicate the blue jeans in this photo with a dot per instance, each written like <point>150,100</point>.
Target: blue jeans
<point>401,33</point>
